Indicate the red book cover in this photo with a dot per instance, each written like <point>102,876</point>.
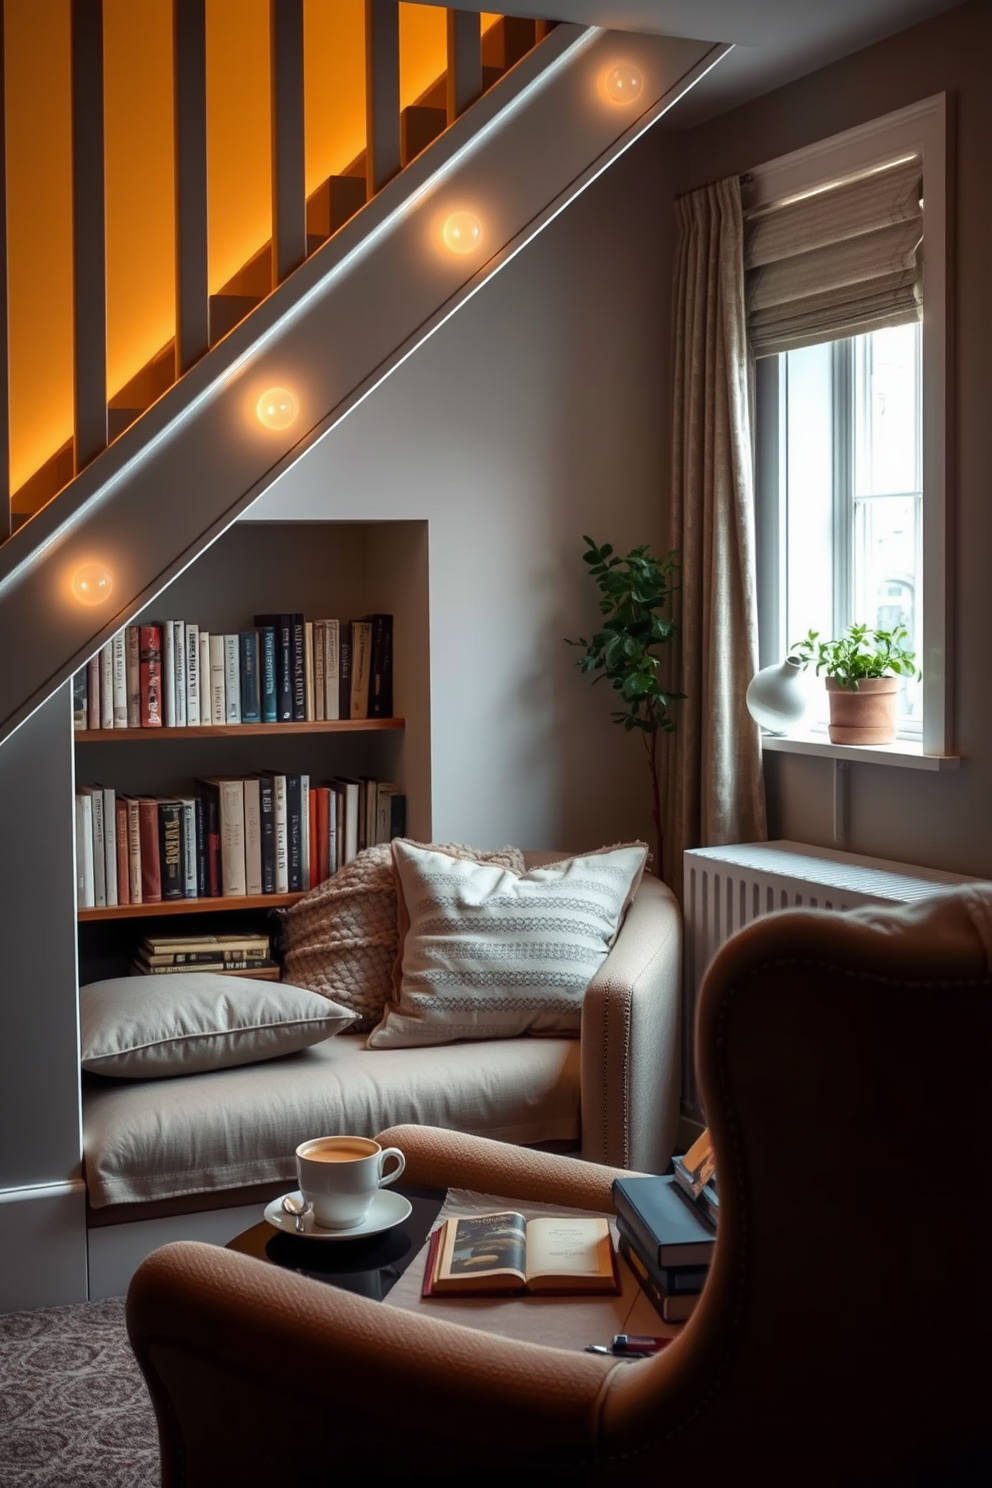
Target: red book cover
<point>151,872</point>
<point>150,673</point>
<point>312,844</point>
<point>323,796</point>
<point>123,871</point>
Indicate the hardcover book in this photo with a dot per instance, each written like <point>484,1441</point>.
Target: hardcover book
<point>232,678</point>
<point>151,867</point>
<point>253,836</point>
<point>119,662</point>
<point>361,668</point>
<point>193,718</point>
<point>107,685</point>
<point>299,669</point>
<point>282,628</point>
<point>93,692</point>
<point>204,680</point>
<point>668,1230</point>
<point>344,669</point>
<point>123,877</point>
<point>150,654</point>
<point>80,705</point>
<point>251,696</point>
<point>132,673</point>
<point>170,846</point>
<point>169,673</point>
<point>179,662</point>
<point>490,1254</point>
<point>671,1307</point>
<point>266,810</point>
<point>218,687</point>
<point>381,678</point>
<point>332,669</point>
<point>267,674</point>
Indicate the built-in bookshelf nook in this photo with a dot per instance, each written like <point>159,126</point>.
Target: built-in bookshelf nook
<point>345,570</point>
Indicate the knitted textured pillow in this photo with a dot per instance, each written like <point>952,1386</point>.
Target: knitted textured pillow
<point>340,940</point>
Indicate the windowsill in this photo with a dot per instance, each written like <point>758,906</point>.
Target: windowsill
<point>907,754</point>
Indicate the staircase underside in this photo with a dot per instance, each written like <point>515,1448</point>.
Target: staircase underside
<point>176,478</point>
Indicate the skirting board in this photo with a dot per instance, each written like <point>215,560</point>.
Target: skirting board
<point>42,1246</point>
<point>116,1251</point>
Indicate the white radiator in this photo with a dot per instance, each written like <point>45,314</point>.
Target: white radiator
<point>728,887</point>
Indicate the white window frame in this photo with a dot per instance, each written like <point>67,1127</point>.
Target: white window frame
<point>919,129</point>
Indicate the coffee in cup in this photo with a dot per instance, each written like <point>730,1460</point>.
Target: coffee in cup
<point>340,1176</point>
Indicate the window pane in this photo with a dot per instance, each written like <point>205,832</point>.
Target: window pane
<point>886,404</point>
<point>886,551</point>
<point>809,491</point>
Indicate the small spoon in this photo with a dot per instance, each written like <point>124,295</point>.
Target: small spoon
<point>298,1210</point>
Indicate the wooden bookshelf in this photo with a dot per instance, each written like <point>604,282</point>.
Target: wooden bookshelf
<point>237,730</point>
<point>230,902</point>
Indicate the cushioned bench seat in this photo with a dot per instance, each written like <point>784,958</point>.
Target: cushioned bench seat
<point>148,1140</point>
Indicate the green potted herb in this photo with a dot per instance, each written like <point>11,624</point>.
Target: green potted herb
<point>633,592</point>
<point>864,671</point>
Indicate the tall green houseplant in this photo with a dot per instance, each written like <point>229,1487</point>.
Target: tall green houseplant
<point>634,591</point>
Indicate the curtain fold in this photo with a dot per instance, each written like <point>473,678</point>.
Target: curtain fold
<point>713,786</point>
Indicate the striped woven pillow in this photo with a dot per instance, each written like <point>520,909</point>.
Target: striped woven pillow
<point>488,953</point>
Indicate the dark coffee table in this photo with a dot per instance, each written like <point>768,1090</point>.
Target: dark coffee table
<point>368,1266</point>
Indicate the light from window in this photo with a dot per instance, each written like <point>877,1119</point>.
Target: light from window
<point>850,492</point>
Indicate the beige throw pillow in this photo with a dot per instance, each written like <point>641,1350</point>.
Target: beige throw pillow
<point>340,940</point>
<point>197,1021</point>
<point>489,953</point>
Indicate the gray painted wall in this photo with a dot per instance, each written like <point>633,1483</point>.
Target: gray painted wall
<point>939,820</point>
<point>533,416</point>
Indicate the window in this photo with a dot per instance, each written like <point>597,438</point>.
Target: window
<point>849,417</point>
<point>848,492</point>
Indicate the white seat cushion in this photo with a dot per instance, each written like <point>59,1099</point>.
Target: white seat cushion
<point>159,1139</point>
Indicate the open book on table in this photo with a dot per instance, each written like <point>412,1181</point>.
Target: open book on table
<point>489,1254</point>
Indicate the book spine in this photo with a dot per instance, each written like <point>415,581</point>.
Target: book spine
<point>361,662</point>
<point>281,833</point>
<point>150,643</point>
<point>333,850</point>
<point>188,818</point>
<point>211,813</point>
<point>169,673</point>
<point>267,674</point>
<point>250,963</point>
<point>232,838</point>
<point>319,694</point>
<point>80,700</point>
<point>232,678</point>
<point>332,684</point>
<point>123,877</point>
<point>99,846</point>
<point>170,847</point>
<point>251,700</point>
<point>179,662</point>
<point>266,808</point>
<point>93,692</point>
<point>284,642</point>
<point>670,1308</point>
<point>192,676</point>
<point>218,693</point>
<point>202,877</point>
<point>344,669</point>
<point>110,845</point>
<point>309,680</point>
<point>294,832</point>
<point>119,662</point>
<point>397,816</point>
<point>107,686</point>
<point>132,674</point>
<point>151,866</point>
<point>306,880</point>
<point>313,840</point>
<point>134,850</point>
<point>322,795</point>
<point>84,852</point>
<point>381,682</point>
<point>253,837</point>
<point>298,653</point>
<point>204,678</point>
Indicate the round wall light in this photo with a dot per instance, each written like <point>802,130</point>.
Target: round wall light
<point>92,583</point>
<point>623,83</point>
<point>462,232</point>
<point>277,408</point>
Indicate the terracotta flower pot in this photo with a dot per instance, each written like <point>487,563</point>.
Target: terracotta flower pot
<point>865,714</point>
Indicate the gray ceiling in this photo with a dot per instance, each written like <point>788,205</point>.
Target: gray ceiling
<point>775,40</point>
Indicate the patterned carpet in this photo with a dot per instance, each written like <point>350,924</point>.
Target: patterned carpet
<point>74,1412</point>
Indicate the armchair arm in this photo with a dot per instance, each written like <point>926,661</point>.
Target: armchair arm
<point>442,1159</point>
<point>631,1058</point>
<point>253,1369</point>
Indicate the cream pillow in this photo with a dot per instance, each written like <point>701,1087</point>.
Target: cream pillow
<point>340,939</point>
<point>488,953</point>
<point>200,1020</point>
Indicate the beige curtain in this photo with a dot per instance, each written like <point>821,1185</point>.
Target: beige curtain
<point>713,788</point>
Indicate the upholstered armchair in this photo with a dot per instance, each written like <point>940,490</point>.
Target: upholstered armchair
<point>843,1337</point>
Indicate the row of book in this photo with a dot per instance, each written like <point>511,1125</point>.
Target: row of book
<point>667,1228</point>
<point>287,669</point>
<point>259,834</point>
<point>229,955</point>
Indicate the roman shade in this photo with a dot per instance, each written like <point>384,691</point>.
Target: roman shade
<point>839,262</point>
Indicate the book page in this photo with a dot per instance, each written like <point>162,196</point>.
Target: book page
<point>569,1248</point>
<point>485,1246</point>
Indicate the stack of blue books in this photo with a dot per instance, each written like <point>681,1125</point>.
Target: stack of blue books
<point>667,1238</point>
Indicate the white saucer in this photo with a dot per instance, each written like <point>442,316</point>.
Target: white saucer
<point>387,1210</point>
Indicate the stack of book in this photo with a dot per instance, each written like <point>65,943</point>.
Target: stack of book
<point>287,669</point>
<point>233,836</point>
<point>667,1231</point>
<point>233,955</point>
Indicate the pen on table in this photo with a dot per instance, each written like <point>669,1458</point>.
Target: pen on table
<point>629,1345</point>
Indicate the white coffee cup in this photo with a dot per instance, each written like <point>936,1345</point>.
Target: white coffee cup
<point>340,1176</point>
